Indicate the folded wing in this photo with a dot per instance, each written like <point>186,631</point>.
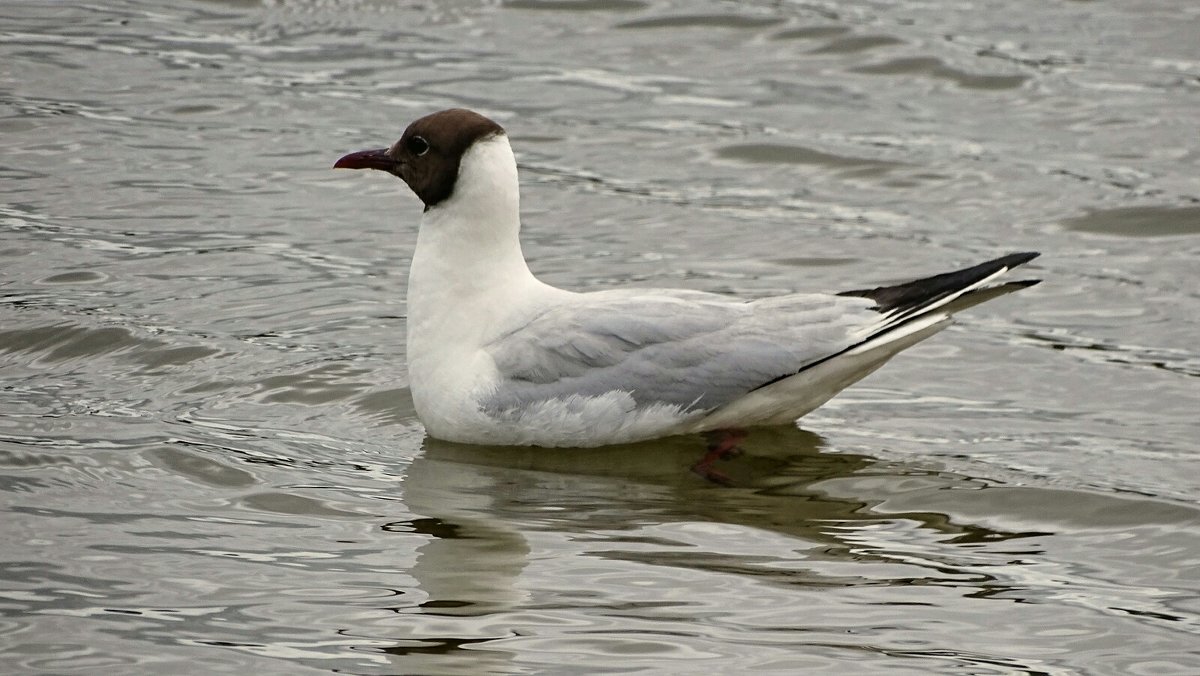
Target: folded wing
<point>698,351</point>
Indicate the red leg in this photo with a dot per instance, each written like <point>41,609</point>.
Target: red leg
<point>722,445</point>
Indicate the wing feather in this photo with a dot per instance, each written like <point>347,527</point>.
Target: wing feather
<point>686,349</point>
<point>697,351</point>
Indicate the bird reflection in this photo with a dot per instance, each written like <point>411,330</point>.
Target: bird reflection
<point>480,506</point>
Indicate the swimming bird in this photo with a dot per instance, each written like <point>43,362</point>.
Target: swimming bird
<point>497,357</point>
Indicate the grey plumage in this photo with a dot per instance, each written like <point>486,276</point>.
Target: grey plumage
<point>700,351</point>
<point>687,349</point>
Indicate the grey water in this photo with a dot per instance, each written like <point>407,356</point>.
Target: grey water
<point>209,460</point>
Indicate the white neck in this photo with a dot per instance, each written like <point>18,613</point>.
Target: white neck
<point>472,239</point>
<point>468,261</point>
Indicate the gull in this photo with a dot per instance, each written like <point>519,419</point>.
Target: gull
<point>498,357</point>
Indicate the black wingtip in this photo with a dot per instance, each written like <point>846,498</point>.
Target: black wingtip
<point>1014,259</point>
<point>1025,283</point>
<point>921,292</point>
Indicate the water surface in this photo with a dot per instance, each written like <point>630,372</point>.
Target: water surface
<point>208,452</point>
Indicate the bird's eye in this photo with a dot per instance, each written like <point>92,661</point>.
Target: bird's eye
<point>418,146</point>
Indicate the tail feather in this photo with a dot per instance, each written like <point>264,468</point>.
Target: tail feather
<point>913,311</point>
<point>986,293</point>
<point>940,295</point>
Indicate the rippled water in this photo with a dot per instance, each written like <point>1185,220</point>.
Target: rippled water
<point>208,455</point>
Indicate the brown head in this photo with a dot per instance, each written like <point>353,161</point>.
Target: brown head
<point>428,155</point>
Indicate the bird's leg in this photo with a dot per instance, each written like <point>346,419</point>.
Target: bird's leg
<point>722,445</point>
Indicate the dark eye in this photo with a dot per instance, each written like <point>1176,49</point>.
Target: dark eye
<point>418,146</point>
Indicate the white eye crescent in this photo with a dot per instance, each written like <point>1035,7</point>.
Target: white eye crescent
<point>418,146</point>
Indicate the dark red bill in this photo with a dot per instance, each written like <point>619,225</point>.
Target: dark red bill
<point>367,159</point>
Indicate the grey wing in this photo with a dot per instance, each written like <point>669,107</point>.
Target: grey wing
<point>687,349</point>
